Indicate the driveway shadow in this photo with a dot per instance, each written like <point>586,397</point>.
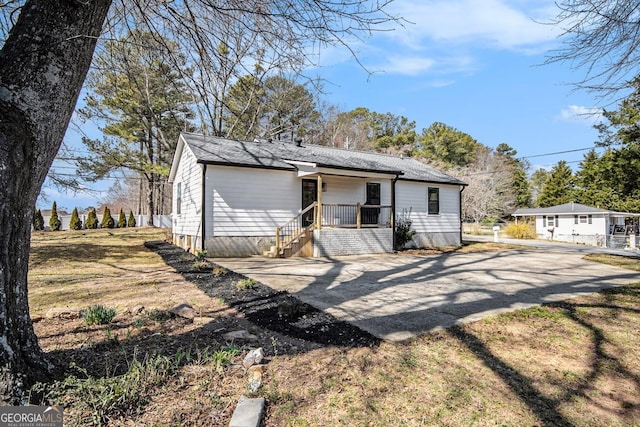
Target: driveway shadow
<point>396,297</point>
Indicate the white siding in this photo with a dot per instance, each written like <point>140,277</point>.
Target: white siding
<point>567,226</point>
<point>343,190</point>
<point>189,178</point>
<point>250,202</point>
<point>412,196</point>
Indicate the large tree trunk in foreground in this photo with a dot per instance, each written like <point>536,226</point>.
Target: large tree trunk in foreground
<point>42,68</point>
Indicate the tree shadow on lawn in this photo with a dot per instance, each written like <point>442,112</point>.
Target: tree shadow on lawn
<point>283,324</point>
<point>602,363</point>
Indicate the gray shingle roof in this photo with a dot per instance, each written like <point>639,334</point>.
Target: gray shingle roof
<point>567,208</point>
<point>214,150</point>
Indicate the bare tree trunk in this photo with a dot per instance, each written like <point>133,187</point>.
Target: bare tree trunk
<point>43,64</point>
<point>150,199</point>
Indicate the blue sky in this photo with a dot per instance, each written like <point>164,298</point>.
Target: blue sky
<point>475,65</point>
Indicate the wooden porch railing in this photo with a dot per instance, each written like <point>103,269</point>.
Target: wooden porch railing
<point>295,228</point>
<point>358,216</point>
<point>333,215</point>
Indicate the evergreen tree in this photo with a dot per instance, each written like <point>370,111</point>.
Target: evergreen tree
<point>92,220</point>
<point>132,220</point>
<point>559,187</point>
<point>75,223</point>
<point>518,169</point>
<point>54,221</point>
<point>444,144</point>
<point>536,184</point>
<point>144,104</point>
<point>107,219</point>
<point>122,220</point>
<point>277,108</point>
<point>38,220</point>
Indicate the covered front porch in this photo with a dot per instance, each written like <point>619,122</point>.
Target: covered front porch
<point>343,212</point>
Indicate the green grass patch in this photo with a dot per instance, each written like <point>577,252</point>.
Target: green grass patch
<point>243,284</point>
<point>98,315</point>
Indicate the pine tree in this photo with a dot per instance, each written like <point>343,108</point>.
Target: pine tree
<point>92,220</point>
<point>559,187</point>
<point>75,223</point>
<point>38,220</point>
<point>107,219</point>
<point>122,220</point>
<point>54,221</point>
<point>132,220</point>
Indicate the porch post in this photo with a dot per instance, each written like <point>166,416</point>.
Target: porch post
<point>358,215</point>
<point>319,207</point>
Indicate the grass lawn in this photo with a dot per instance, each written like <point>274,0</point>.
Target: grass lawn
<point>570,363</point>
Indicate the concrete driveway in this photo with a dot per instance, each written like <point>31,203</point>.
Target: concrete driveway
<point>395,297</point>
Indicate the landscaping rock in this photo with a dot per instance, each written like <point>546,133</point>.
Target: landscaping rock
<point>248,413</point>
<point>254,357</point>
<point>62,313</point>
<point>184,310</point>
<point>239,335</point>
<point>254,374</point>
<point>138,309</point>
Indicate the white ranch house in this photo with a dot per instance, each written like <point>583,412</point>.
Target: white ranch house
<point>238,198</point>
<point>577,223</point>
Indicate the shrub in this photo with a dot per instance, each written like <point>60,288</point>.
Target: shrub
<point>132,220</point>
<point>75,223</point>
<point>522,230</point>
<point>92,220</point>
<point>403,231</point>
<point>54,221</point>
<point>107,219</point>
<point>122,220</point>
<point>245,284</point>
<point>38,220</point>
<point>98,315</point>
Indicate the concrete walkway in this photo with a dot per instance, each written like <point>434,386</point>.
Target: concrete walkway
<point>396,297</point>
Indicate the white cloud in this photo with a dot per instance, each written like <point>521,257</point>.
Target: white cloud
<point>487,23</point>
<point>579,113</point>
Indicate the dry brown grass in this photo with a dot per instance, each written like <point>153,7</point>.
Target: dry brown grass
<point>571,363</point>
<point>75,269</point>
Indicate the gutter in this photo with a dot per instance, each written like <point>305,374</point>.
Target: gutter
<point>393,211</point>
<point>462,187</point>
<point>203,218</point>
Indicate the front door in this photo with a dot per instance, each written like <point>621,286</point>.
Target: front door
<point>309,195</point>
<point>370,215</point>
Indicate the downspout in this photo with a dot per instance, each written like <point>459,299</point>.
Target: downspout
<point>203,219</point>
<point>393,212</point>
<point>460,211</point>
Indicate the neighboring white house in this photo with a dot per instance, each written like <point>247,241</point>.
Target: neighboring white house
<point>577,223</point>
<point>239,198</point>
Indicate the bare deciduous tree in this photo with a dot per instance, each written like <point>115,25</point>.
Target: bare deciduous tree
<point>602,37</point>
<point>490,190</point>
<point>44,60</point>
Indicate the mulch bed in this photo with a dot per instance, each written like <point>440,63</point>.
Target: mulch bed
<point>265,307</point>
